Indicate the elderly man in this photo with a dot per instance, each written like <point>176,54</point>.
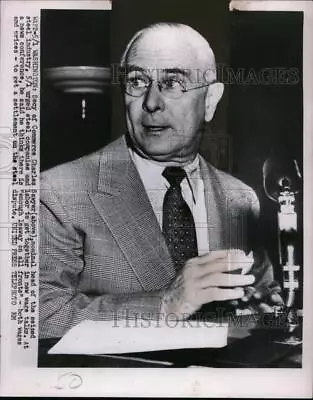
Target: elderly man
<point>145,225</point>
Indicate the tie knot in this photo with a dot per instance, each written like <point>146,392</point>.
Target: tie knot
<point>174,175</point>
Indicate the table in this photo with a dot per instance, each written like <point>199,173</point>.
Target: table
<point>248,346</point>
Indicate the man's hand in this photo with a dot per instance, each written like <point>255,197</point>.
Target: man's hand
<point>259,299</point>
<point>205,279</point>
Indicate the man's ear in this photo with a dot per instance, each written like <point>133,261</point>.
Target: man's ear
<point>213,96</point>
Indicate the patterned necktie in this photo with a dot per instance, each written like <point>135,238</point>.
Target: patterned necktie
<point>178,223</point>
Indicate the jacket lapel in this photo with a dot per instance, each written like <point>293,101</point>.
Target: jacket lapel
<point>123,204</point>
<point>216,207</point>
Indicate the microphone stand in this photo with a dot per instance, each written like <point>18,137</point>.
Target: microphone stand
<point>281,184</point>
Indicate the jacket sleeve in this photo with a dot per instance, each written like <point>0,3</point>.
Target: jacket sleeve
<point>62,305</point>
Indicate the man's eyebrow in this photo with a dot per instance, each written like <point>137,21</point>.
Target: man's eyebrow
<point>185,72</point>
<point>132,67</point>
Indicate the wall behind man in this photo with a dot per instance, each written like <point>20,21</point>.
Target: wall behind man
<point>265,116</point>
<point>72,38</point>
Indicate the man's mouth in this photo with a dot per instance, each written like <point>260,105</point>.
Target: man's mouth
<point>155,128</point>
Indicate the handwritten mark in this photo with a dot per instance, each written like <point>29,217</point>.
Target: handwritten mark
<point>69,380</point>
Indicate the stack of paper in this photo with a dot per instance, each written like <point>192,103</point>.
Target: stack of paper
<point>127,336</point>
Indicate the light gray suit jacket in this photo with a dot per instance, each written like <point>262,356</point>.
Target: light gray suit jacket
<point>102,252</point>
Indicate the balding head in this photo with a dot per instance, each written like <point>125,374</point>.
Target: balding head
<point>170,89</point>
<point>185,39</point>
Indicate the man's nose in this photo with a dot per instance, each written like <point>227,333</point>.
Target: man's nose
<point>153,100</point>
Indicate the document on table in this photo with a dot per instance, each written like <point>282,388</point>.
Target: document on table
<point>132,336</point>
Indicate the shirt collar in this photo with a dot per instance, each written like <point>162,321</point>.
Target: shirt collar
<point>151,173</point>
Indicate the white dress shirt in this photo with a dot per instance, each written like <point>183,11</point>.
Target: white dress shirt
<point>192,191</point>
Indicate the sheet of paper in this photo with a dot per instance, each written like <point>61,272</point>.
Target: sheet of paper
<point>115,337</point>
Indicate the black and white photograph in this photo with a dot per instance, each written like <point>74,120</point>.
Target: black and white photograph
<point>155,207</point>
<point>171,185</point>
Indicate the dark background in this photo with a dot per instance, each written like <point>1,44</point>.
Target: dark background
<point>266,120</point>
<point>252,121</point>
<point>73,37</point>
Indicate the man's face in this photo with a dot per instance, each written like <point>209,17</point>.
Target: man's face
<point>161,128</point>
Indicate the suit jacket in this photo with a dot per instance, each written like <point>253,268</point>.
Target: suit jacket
<point>102,252</point>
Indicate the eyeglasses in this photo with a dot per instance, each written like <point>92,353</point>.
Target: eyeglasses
<point>171,87</point>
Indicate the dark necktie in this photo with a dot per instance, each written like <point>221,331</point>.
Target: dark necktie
<point>178,223</point>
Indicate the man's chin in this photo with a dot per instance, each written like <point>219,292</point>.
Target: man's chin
<point>162,154</point>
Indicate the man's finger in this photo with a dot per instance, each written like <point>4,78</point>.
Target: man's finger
<point>264,291</point>
<point>231,255</point>
<point>275,287</point>
<point>218,294</point>
<point>219,265</point>
<point>277,299</point>
<point>212,256</point>
<point>263,307</point>
<point>249,291</point>
<point>225,280</point>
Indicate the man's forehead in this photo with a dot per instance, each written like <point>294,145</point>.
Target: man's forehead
<point>163,49</point>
